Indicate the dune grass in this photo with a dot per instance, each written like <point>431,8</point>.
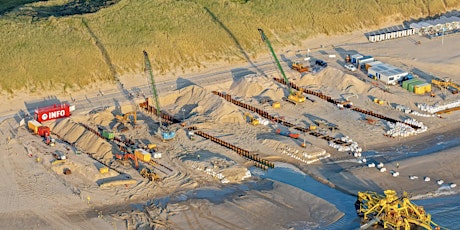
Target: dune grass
<point>61,53</point>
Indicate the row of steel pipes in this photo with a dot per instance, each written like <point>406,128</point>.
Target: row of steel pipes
<point>336,102</point>
<point>258,162</point>
<point>266,115</point>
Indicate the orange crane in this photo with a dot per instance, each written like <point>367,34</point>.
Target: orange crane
<point>128,156</point>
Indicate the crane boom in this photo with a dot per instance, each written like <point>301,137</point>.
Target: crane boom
<point>164,131</point>
<point>148,68</point>
<point>265,39</point>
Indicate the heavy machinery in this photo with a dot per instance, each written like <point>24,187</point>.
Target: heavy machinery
<point>166,134</point>
<point>299,67</point>
<point>249,118</point>
<point>392,212</point>
<point>127,117</point>
<point>149,174</point>
<point>445,83</point>
<point>294,97</point>
<point>125,157</point>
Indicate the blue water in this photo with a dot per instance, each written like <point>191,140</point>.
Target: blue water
<point>445,211</point>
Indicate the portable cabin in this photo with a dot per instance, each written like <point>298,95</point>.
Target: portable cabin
<point>364,60</point>
<point>388,74</point>
<point>355,57</point>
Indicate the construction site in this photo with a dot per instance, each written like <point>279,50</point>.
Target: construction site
<point>189,157</point>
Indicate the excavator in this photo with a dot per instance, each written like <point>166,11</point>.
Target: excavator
<point>299,67</point>
<point>126,117</point>
<point>166,134</point>
<point>127,156</point>
<point>294,97</point>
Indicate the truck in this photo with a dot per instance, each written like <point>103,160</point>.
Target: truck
<point>33,126</point>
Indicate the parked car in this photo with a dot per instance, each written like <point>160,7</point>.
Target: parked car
<point>350,67</point>
<point>321,63</point>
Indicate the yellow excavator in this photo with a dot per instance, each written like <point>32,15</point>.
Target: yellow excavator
<point>294,97</point>
<point>126,117</point>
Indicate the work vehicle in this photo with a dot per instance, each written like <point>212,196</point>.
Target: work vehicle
<point>294,97</point>
<point>350,67</point>
<point>249,118</point>
<point>125,157</point>
<point>149,174</point>
<point>165,133</point>
<point>299,67</point>
<point>321,63</point>
<point>128,117</point>
<point>392,212</point>
<point>59,155</point>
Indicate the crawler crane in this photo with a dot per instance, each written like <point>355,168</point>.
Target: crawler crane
<point>294,97</point>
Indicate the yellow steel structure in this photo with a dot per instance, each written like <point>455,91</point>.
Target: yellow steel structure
<point>392,212</point>
<point>445,83</point>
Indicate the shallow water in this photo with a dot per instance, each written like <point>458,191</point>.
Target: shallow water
<point>445,211</point>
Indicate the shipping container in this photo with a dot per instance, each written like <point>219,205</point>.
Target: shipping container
<point>142,155</point>
<point>157,155</point>
<point>44,131</point>
<point>108,135</point>
<point>52,112</point>
<point>411,86</point>
<point>355,57</point>
<point>33,125</point>
<point>103,170</point>
<point>364,60</point>
<point>407,82</point>
<point>422,88</point>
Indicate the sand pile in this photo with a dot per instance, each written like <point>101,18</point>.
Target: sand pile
<point>87,141</point>
<point>254,85</point>
<point>197,100</point>
<point>334,78</point>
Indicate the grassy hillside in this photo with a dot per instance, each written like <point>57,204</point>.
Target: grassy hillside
<point>67,44</point>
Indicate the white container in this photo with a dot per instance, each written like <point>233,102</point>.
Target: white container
<point>157,155</point>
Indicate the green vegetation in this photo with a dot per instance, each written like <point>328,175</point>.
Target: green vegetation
<point>41,47</point>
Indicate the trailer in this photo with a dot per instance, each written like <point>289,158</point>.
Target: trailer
<point>52,112</point>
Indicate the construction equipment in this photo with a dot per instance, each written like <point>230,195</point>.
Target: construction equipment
<point>391,211</point>
<point>294,97</point>
<point>249,118</point>
<point>299,67</point>
<point>150,175</point>
<point>445,83</point>
<point>127,117</point>
<point>127,156</point>
<point>166,134</point>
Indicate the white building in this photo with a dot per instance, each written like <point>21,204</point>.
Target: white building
<point>386,73</point>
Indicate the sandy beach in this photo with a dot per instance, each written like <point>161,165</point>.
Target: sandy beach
<point>38,195</point>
